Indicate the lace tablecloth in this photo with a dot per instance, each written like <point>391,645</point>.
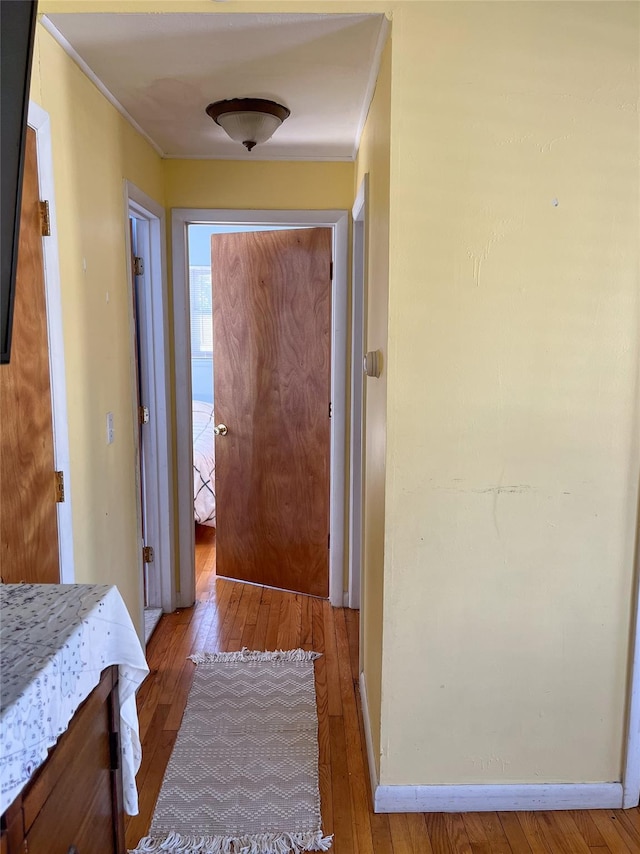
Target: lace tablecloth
<point>55,640</point>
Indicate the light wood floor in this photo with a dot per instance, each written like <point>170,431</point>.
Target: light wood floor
<point>229,615</point>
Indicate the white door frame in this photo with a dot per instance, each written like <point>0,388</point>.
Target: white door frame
<point>153,323</point>
<point>358,339</point>
<point>338,221</point>
<point>38,119</point>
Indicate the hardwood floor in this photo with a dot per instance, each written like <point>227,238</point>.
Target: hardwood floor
<point>229,615</point>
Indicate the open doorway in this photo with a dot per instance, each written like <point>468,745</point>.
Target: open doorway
<point>150,377</point>
<point>244,225</point>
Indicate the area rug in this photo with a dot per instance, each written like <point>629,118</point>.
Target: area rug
<point>243,775</point>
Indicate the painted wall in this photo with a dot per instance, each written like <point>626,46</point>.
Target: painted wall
<point>94,149</point>
<point>373,159</point>
<point>265,185</point>
<point>512,457</point>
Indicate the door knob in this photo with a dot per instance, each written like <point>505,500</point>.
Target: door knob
<point>221,430</point>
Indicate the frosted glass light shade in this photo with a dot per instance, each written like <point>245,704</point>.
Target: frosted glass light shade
<point>249,127</point>
<point>248,120</point>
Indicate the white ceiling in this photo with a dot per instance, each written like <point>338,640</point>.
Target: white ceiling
<point>162,70</point>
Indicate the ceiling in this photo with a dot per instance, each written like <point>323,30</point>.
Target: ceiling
<point>161,71</point>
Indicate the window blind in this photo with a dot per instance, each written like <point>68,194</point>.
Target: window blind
<point>201,312</point>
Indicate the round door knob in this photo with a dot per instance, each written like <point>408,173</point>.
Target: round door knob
<point>221,430</point>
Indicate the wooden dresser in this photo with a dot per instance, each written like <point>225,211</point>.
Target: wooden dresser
<point>73,803</point>
<point>69,743</point>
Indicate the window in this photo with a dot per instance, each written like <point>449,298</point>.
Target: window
<point>201,316</point>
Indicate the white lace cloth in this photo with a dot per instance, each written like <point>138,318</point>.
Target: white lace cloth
<point>55,640</point>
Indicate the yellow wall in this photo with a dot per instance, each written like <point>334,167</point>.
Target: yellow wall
<point>373,159</point>
<point>512,464</point>
<point>261,185</point>
<point>94,149</point>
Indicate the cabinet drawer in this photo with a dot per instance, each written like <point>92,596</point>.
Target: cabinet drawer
<point>78,810</point>
<point>74,802</point>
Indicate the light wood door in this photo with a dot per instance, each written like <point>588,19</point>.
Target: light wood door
<point>272,336</point>
<point>28,515</point>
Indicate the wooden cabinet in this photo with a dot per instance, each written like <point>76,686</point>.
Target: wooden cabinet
<point>73,802</point>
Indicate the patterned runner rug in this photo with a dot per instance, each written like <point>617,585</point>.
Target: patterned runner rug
<point>243,775</point>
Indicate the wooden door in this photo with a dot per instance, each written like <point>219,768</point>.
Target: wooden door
<point>28,514</point>
<point>272,337</point>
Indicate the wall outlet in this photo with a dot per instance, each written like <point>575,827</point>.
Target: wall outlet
<point>109,428</point>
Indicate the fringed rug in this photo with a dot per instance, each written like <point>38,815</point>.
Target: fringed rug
<point>243,775</point>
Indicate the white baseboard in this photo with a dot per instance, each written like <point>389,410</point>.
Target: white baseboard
<point>490,798</point>
<point>373,776</point>
<point>182,601</point>
<point>345,599</point>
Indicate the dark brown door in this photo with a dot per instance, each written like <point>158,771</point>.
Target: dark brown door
<point>272,334</point>
<point>28,515</point>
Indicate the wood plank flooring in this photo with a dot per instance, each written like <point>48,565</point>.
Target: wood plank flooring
<point>229,615</point>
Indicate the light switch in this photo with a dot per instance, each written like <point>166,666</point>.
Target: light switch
<point>109,428</point>
<point>372,363</point>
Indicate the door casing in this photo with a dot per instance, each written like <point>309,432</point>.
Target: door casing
<point>157,434</point>
<point>356,433</point>
<point>38,119</point>
<point>338,221</point>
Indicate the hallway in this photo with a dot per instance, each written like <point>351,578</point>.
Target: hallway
<point>230,615</point>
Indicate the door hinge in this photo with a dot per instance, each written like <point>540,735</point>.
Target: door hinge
<point>138,266</point>
<point>114,750</point>
<point>329,541</point>
<point>147,554</point>
<point>331,271</point>
<point>143,414</point>
<point>59,487</point>
<point>330,409</point>
<point>45,220</point>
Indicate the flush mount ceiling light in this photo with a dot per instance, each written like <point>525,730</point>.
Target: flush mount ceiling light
<point>248,120</point>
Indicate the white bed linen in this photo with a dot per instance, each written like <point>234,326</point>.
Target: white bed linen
<point>55,641</point>
<point>204,464</point>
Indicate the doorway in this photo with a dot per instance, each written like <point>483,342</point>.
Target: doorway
<point>139,285</point>
<point>337,222</point>
<point>37,527</point>
<point>145,242</point>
